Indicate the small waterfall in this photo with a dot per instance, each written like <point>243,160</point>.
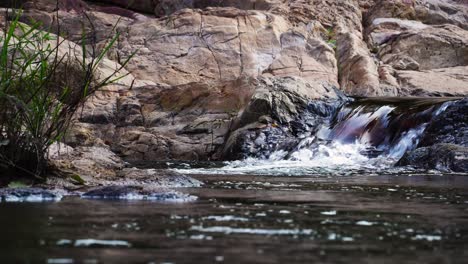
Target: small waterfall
<point>367,134</point>
<point>378,128</point>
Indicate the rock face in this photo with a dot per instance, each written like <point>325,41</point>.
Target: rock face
<point>431,12</point>
<point>207,74</point>
<point>359,74</point>
<point>443,46</point>
<point>225,44</point>
<point>422,45</point>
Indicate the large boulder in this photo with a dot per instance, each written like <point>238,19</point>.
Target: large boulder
<point>435,12</point>
<point>47,5</point>
<point>100,22</point>
<point>99,166</point>
<point>154,122</point>
<point>280,110</point>
<point>168,7</point>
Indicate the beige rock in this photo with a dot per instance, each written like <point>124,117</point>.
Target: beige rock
<point>143,6</point>
<point>438,82</point>
<point>186,121</point>
<point>327,12</point>
<point>383,30</point>
<point>168,7</point>
<point>434,12</point>
<point>224,44</point>
<point>428,48</point>
<point>358,71</point>
<point>420,59</point>
<point>89,162</point>
<point>330,13</point>
<point>387,75</point>
<point>99,166</point>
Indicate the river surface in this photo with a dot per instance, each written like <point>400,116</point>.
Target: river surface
<point>360,218</point>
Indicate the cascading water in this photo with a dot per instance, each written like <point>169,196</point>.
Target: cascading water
<point>366,135</point>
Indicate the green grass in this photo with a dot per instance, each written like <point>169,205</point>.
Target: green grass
<point>41,88</point>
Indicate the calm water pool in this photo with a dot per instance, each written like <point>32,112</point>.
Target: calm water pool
<point>253,219</point>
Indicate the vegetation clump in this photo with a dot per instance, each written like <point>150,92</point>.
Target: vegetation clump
<point>44,80</point>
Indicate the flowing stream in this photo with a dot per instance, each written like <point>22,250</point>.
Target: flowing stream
<point>370,135</point>
<point>347,203</point>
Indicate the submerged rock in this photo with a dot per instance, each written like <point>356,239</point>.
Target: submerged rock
<point>29,194</point>
<point>442,157</point>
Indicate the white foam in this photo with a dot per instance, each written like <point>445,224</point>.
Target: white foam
<point>225,218</point>
<point>63,242</point>
<point>254,231</point>
<point>60,261</point>
<point>429,238</point>
<point>170,197</point>
<point>333,212</point>
<point>346,157</point>
<point>98,242</point>
<point>364,223</point>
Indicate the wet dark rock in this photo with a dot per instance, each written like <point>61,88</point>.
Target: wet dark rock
<point>451,126</point>
<point>444,145</point>
<point>280,111</point>
<point>258,140</point>
<point>443,157</point>
<point>28,194</point>
<point>111,192</point>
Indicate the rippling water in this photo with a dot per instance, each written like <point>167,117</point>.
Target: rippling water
<point>417,218</point>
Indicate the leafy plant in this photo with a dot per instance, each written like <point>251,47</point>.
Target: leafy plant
<point>331,37</point>
<point>44,80</point>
